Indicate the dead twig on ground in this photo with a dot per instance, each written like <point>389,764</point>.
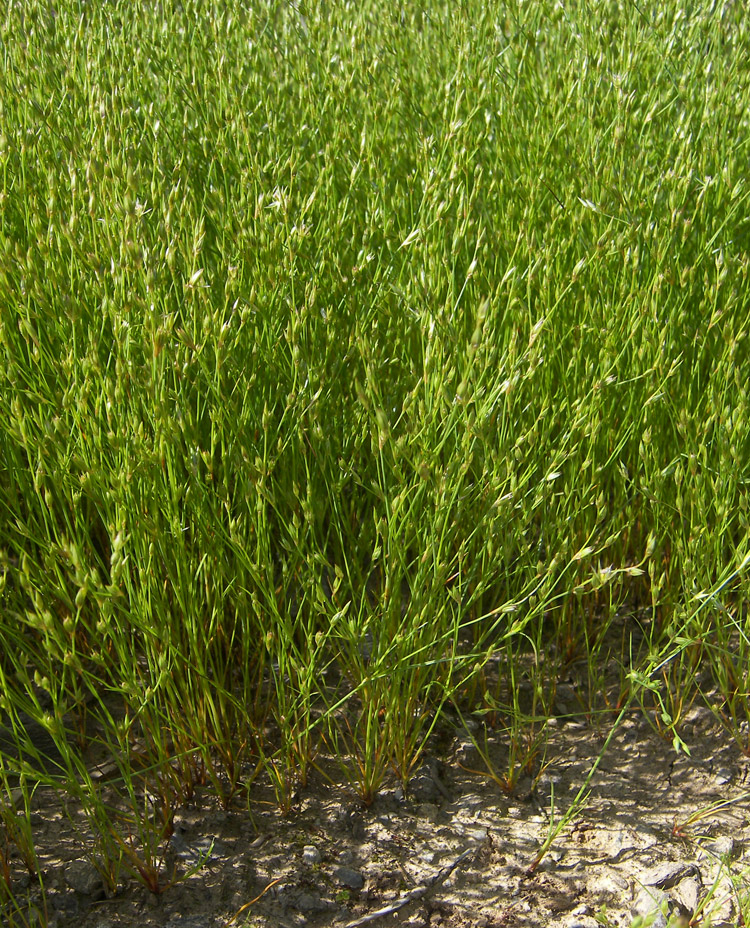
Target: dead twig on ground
<point>421,891</point>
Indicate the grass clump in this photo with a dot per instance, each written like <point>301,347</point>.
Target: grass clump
<point>349,353</point>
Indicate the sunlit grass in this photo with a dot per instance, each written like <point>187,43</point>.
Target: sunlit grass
<point>348,352</point>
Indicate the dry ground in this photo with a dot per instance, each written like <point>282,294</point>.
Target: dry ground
<point>635,845</point>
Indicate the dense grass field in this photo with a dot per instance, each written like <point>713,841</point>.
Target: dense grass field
<point>362,365</point>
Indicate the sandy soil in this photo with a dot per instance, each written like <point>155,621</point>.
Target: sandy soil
<point>453,852</point>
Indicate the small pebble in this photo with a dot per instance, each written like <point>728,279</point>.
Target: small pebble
<point>84,878</point>
<point>187,921</point>
<point>652,905</point>
<point>310,902</point>
<point>688,893</point>
<point>310,855</point>
<point>352,879</point>
<point>723,846</point>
